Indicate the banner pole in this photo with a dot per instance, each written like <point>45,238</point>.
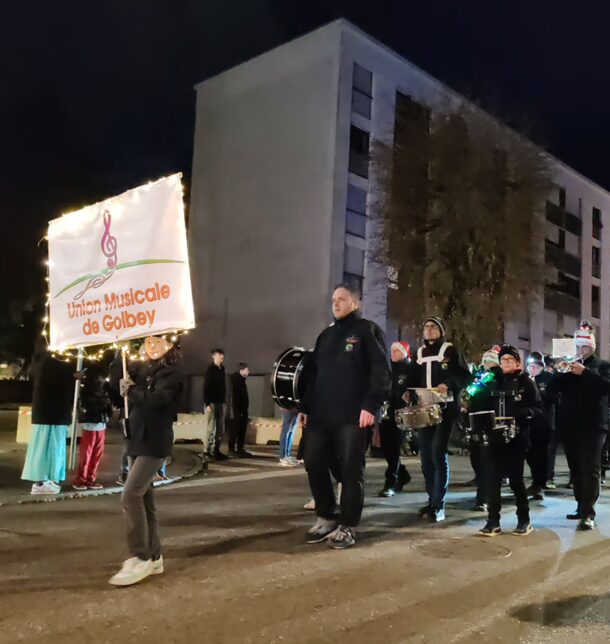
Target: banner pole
<point>125,376</point>
<point>73,429</point>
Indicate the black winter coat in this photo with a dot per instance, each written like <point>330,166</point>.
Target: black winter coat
<point>153,408</point>
<point>94,401</point>
<point>349,372</point>
<point>53,391</point>
<point>239,395</point>
<point>214,386</point>
<point>546,421</point>
<point>400,375</point>
<point>521,396</point>
<point>582,406</point>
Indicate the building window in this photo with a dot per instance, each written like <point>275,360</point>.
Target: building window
<point>362,91</point>
<point>595,301</point>
<point>363,80</point>
<point>355,281</point>
<point>562,239</point>
<point>354,261</point>
<point>562,198</point>
<point>596,259</point>
<point>356,199</point>
<point>355,224</point>
<point>597,223</point>
<point>359,152</point>
<point>568,285</point>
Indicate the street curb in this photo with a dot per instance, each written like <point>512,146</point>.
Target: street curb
<point>199,467</point>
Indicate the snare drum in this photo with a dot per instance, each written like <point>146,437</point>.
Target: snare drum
<point>482,424</point>
<point>506,427</point>
<point>418,417</point>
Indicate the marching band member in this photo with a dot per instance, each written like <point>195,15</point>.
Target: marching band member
<point>542,427</point>
<point>490,360</point>
<point>583,423</point>
<point>438,365</point>
<point>396,474</point>
<point>349,381</point>
<point>522,402</point>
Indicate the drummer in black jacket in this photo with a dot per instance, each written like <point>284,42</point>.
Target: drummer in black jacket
<point>396,474</point>
<point>438,364</point>
<point>513,389</point>
<point>348,384</point>
<point>582,420</point>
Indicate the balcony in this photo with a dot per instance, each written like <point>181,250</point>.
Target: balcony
<point>561,259</point>
<point>561,302</point>
<point>563,218</point>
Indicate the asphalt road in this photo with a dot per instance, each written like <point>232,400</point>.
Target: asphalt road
<point>238,570</point>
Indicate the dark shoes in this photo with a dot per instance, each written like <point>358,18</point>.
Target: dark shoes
<point>573,516</point>
<point>523,529</point>
<point>387,492</point>
<point>535,492</point>
<point>404,478</point>
<point>586,524</point>
<point>490,530</point>
<point>423,511</point>
<point>320,531</point>
<point>436,515</point>
<point>219,456</point>
<point>342,538</point>
<point>480,507</point>
<point>243,454</point>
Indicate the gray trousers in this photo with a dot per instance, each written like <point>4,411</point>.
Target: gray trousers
<point>138,503</point>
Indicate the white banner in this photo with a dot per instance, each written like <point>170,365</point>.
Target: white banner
<point>119,269</point>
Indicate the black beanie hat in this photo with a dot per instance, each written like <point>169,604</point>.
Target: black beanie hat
<point>439,323</point>
<point>535,357</point>
<point>508,349</point>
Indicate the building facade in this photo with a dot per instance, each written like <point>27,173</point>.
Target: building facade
<point>282,192</point>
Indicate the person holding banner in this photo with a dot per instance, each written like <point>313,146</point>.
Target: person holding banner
<point>153,404</point>
<point>45,459</point>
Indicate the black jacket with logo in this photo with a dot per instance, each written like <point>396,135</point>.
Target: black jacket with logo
<point>582,406</point>
<point>547,419</point>
<point>400,381</point>
<point>349,372</point>
<point>53,391</point>
<point>521,397</point>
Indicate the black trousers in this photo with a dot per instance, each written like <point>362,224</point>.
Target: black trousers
<point>391,443</point>
<point>238,425</point>
<point>505,459</point>
<point>538,454</point>
<point>476,461</point>
<point>584,454</point>
<point>341,448</point>
<point>552,454</point>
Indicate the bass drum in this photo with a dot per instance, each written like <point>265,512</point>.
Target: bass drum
<point>289,377</point>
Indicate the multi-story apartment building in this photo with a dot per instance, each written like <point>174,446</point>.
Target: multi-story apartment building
<point>282,189</point>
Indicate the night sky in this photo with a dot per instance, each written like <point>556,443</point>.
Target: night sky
<point>97,96</point>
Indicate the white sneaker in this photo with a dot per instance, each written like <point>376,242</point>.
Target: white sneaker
<point>157,566</point>
<point>287,462</point>
<point>45,488</point>
<point>310,505</point>
<point>53,484</point>
<point>133,571</point>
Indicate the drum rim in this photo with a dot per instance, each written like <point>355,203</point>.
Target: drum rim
<point>274,393</point>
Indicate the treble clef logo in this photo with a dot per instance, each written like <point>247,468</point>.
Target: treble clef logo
<point>109,248</point>
<point>109,244</point>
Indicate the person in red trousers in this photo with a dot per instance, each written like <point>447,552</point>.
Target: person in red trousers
<point>95,410</point>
